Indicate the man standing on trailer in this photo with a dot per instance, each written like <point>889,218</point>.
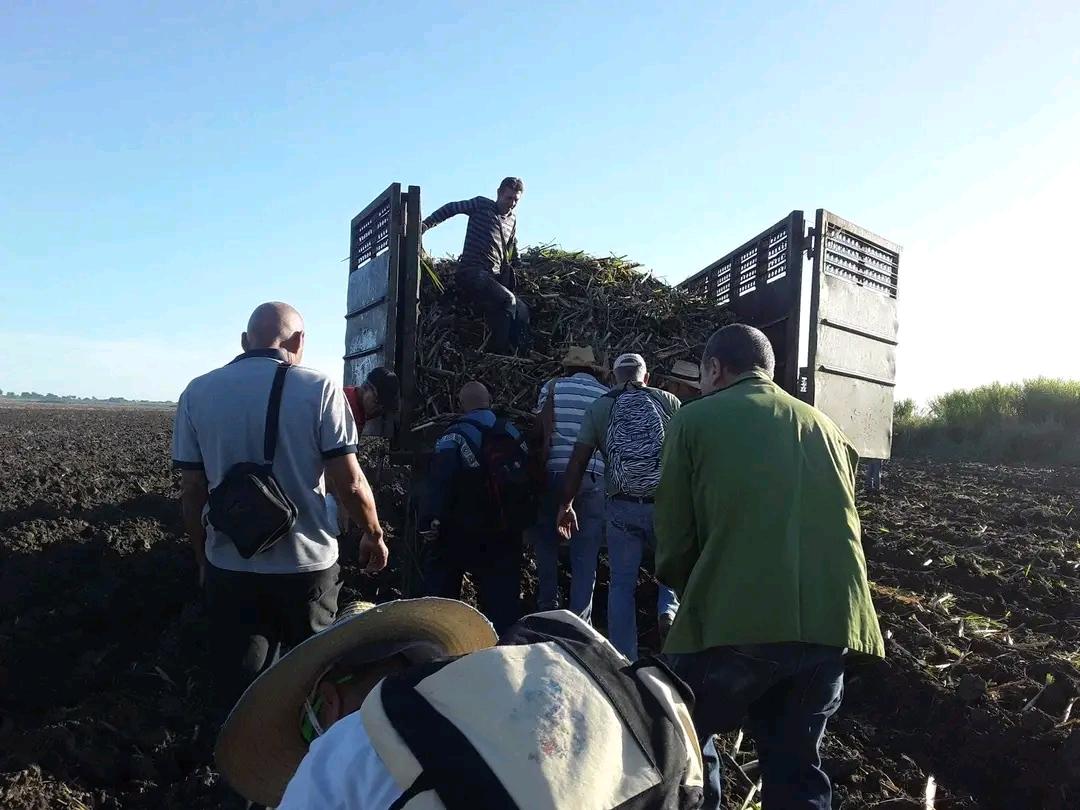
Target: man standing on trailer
<point>485,274</point>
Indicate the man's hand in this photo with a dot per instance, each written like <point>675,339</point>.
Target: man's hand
<point>354,495</point>
<point>566,521</point>
<point>373,552</point>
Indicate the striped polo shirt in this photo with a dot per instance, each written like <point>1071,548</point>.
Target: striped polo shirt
<point>489,237</point>
<point>573,396</point>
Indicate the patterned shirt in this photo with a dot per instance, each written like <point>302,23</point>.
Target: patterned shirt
<point>573,396</point>
<point>490,237</point>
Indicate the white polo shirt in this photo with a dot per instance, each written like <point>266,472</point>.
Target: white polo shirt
<point>221,421</point>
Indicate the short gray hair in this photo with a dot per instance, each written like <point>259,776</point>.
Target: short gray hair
<point>741,348</point>
<point>629,367</point>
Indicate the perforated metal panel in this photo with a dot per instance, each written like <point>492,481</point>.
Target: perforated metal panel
<point>371,313</point>
<point>383,296</point>
<point>761,283</point>
<point>853,332</point>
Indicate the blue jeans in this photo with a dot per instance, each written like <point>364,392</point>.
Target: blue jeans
<point>873,475</point>
<point>629,531</point>
<point>584,546</point>
<point>783,694</point>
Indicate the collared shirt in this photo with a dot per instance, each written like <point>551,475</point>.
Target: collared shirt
<point>573,396</point>
<point>341,770</point>
<point>221,420</point>
<point>490,238</point>
<point>595,422</point>
<point>756,525</point>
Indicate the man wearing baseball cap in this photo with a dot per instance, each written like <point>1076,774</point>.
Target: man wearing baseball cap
<point>374,404</point>
<point>411,704</point>
<point>627,425</point>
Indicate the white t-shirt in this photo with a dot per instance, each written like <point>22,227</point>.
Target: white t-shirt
<point>221,421</point>
<point>341,772</point>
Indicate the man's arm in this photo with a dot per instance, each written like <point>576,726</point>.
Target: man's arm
<point>677,547</point>
<point>440,215</point>
<point>351,488</point>
<point>566,520</point>
<point>194,493</point>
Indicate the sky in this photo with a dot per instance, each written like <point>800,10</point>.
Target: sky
<point>165,167</point>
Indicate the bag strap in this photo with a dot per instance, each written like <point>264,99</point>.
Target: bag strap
<point>451,765</point>
<point>273,411</point>
<point>548,417</point>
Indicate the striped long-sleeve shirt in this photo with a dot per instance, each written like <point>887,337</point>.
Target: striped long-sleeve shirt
<point>573,396</point>
<point>490,237</point>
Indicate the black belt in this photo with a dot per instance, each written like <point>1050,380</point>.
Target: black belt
<point>631,498</point>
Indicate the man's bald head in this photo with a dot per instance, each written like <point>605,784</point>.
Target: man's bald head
<point>275,325</point>
<point>473,396</point>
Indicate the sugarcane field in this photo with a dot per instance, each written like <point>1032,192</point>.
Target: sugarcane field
<point>465,406</point>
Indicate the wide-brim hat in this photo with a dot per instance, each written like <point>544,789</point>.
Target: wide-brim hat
<point>581,356</point>
<point>685,372</point>
<point>260,746</point>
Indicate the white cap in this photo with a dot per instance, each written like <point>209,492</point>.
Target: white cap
<point>630,360</point>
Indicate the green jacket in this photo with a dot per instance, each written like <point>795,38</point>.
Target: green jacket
<point>756,525</point>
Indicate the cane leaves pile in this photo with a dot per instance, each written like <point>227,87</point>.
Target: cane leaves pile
<point>611,304</point>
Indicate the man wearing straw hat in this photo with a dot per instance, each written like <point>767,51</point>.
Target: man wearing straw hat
<point>410,704</point>
<point>561,408</point>
<point>684,380</point>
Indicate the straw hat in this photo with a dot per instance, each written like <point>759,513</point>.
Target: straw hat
<point>686,372</point>
<point>260,746</point>
<point>581,356</point>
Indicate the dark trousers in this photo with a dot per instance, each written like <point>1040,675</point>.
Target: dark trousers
<point>494,563</point>
<point>506,314</point>
<point>783,695</point>
<point>256,618</point>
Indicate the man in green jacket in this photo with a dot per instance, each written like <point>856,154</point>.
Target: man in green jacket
<point>758,534</point>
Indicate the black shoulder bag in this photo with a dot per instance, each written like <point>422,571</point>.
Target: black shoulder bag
<point>249,506</point>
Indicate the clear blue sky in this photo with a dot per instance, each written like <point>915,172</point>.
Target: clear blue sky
<point>166,167</point>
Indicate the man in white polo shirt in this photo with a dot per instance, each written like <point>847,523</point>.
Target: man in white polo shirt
<point>262,603</point>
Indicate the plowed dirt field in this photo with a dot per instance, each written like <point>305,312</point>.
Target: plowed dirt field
<point>102,690</point>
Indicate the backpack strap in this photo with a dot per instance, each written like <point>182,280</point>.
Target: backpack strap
<point>452,766</point>
<point>273,412</point>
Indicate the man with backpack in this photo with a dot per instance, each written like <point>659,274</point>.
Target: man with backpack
<point>627,425</point>
<point>480,499</point>
<point>412,704</point>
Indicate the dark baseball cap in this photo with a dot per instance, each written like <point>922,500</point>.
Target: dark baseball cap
<point>387,388</point>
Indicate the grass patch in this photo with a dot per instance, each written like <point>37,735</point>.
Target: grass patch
<point>1034,422</point>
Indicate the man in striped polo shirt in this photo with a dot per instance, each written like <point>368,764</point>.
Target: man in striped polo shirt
<point>485,274</point>
<point>570,396</point>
